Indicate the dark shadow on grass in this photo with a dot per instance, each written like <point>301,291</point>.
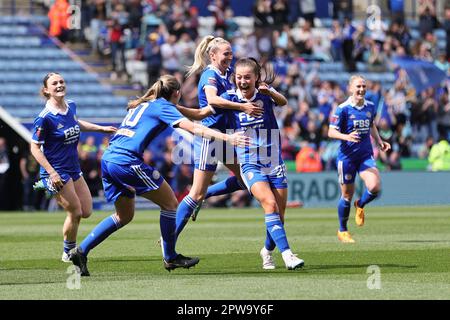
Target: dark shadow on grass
<point>137,259</point>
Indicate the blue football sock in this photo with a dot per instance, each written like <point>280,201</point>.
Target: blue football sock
<point>276,230</point>
<point>101,231</point>
<point>343,213</point>
<point>167,226</point>
<point>68,245</point>
<point>229,185</point>
<point>269,244</point>
<point>366,198</point>
<point>184,212</point>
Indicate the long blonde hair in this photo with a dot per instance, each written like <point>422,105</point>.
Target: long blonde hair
<point>164,87</point>
<point>201,58</point>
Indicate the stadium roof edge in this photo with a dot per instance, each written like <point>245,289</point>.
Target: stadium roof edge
<point>15,125</point>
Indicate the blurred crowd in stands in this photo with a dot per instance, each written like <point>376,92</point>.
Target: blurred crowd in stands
<point>163,34</point>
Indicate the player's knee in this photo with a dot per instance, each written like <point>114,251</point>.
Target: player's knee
<point>86,214</point>
<point>171,206</point>
<point>374,187</point>
<point>125,218</point>
<point>269,205</point>
<point>74,210</point>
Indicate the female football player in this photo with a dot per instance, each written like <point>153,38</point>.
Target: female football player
<point>125,174</point>
<point>54,144</point>
<point>353,124</point>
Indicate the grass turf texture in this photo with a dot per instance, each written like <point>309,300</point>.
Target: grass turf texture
<point>411,246</point>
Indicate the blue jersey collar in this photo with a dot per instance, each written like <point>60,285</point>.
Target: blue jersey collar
<point>55,110</point>
<point>241,97</point>
<point>353,104</point>
<point>216,70</point>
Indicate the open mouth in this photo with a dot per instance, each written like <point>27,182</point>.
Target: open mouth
<point>60,89</point>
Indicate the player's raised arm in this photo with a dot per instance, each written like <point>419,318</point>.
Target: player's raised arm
<point>277,97</point>
<point>218,102</point>
<point>195,114</point>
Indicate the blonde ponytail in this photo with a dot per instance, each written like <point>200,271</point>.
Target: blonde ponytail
<point>201,56</point>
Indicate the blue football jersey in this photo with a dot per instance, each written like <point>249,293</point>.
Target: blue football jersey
<point>140,126</point>
<point>347,118</point>
<point>265,149</point>
<point>211,77</point>
<point>58,134</point>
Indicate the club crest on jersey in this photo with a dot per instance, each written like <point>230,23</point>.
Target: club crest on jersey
<point>368,114</point>
<point>38,131</point>
<point>156,174</point>
<point>75,118</point>
<point>259,103</point>
<point>348,177</point>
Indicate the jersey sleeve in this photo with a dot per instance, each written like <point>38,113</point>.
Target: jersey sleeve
<point>337,118</point>
<point>171,116</point>
<point>208,79</point>
<point>39,130</point>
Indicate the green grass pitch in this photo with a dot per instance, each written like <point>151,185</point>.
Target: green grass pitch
<point>410,246</point>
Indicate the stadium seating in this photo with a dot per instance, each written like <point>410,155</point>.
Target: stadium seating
<point>27,54</point>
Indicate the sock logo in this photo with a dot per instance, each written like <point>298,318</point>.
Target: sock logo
<point>275,227</point>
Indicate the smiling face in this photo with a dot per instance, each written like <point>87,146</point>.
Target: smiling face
<point>358,90</point>
<point>221,58</point>
<point>55,87</point>
<point>245,80</point>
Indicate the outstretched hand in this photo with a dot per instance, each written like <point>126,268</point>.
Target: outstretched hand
<point>252,109</point>
<point>109,129</point>
<point>354,136</point>
<point>239,139</point>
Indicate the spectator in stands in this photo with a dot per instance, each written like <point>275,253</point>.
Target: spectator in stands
<point>4,167</point>
<point>262,13</point>
<point>29,169</point>
<point>90,147</point>
<point>396,7</point>
<point>308,159</point>
<point>377,60</point>
<point>348,45</point>
<point>342,9</point>
<point>169,54</point>
<point>439,157</point>
<point>153,57</point>
<point>182,180</point>
<point>425,148</point>
<point>446,26</point>
<point>97,23</point>
<point>218,8</point>
<point>336,40</point>
<point>116,37</point>
<point>59,20</point>
<point>427,20</point>
<point>280,13</point>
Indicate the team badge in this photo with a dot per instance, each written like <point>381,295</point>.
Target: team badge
<point>259,103</point>
<point>39,131</point>
<point>348,177</point>
<point>156,174</point>
<point>368,114</point>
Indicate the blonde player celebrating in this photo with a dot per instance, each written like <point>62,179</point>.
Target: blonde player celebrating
<point>353,124</point>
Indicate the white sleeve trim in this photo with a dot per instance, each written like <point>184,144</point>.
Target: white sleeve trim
<point>173,124</point>
<point>212,109</point>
